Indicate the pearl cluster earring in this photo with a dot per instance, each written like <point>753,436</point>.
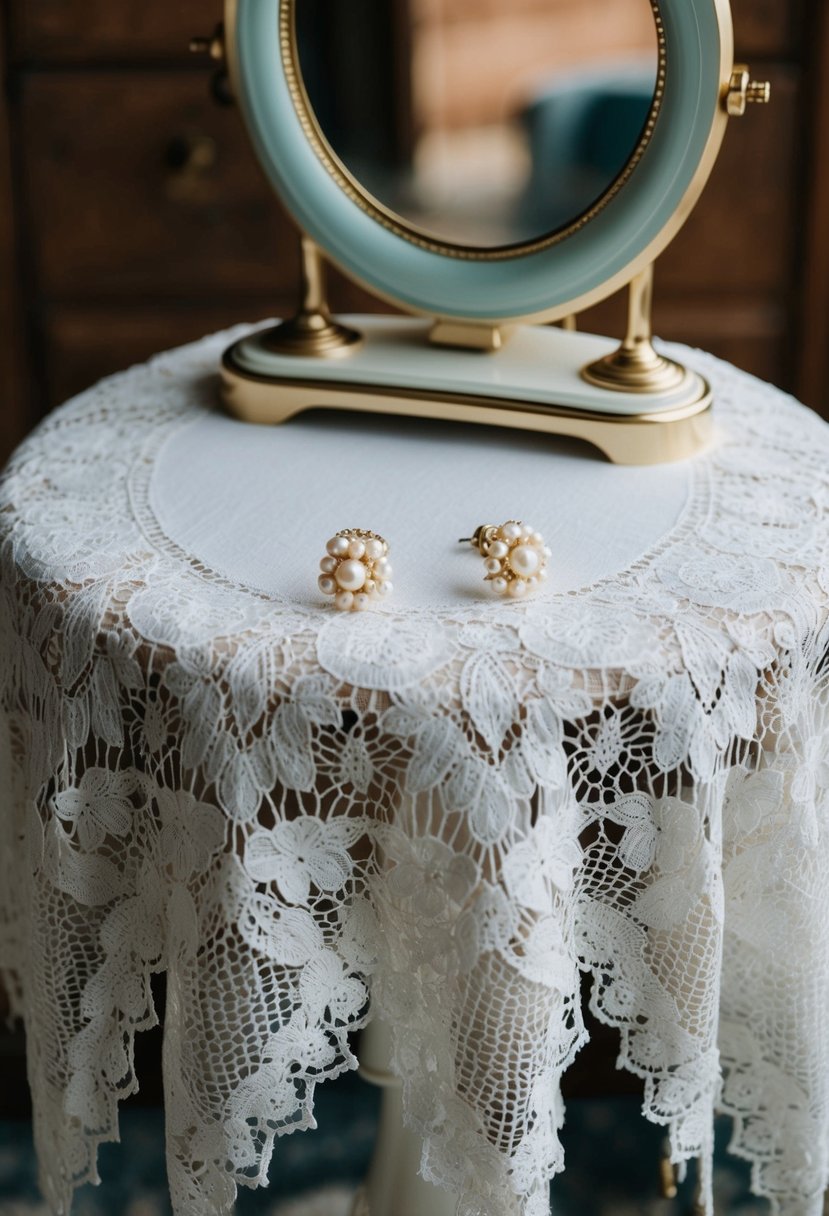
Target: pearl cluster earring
<point>356,569</point>
<point>515,557</point>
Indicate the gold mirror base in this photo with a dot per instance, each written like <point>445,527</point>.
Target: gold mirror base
<point>314,335</point>
<point>636,369</point>
<point>312,332</point>
<point>656,437</point>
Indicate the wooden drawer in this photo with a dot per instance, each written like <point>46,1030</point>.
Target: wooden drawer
<point>137,182</point>
<point>82,343</point>
<point>68,32</point>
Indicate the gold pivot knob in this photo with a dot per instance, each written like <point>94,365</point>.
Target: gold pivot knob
<point>743,91</point>
<point>216,48</point>
<point>213,46</point>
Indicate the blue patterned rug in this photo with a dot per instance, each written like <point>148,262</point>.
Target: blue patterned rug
<point>612,1170</point>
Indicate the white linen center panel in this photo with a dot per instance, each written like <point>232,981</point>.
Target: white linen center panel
<point>257,504</point>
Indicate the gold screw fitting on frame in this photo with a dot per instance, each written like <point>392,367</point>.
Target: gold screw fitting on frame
<point>214,46</point>
<point>356,569</point>
<point>515,557</point>
<point>743,91</point>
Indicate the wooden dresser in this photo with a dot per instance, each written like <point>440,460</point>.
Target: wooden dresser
<point>133,215</point>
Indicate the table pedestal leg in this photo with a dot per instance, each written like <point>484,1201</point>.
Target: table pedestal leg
<point>393,1186</point>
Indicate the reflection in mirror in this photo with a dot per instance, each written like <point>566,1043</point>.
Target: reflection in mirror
<point>481,122</point>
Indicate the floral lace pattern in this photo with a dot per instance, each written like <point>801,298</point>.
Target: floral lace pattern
<point>450,818</point>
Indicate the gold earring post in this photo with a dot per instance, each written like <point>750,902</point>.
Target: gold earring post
<point>481,538</point>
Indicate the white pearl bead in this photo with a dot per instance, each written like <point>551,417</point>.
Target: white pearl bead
<point>356,549</point>
<point>492,565</point>
<point>369,586</point>
<point>537,539</point>
<point>351,575</point>
<point>361,602</point>
<point>338,546</point>
<point>385,588</point>
<point>498,548</point>
<point>542,575</point>
<point>374,549</point>
<point>327,584</point>
<point>524,560</point>
<point>517,589</point>
<point>382,568</point>
<point>511,531</point>
<point>527,531</point>
<point>548,551</point>
<point>328,565</point>
<point>345,601</point>
<point>499,586</point>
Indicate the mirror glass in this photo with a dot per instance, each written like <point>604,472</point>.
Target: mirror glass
<point>481,122</point>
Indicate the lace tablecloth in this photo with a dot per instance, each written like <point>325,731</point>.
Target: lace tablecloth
<point>448,809</point>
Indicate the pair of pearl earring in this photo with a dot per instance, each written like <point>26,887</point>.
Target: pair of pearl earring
<point>356,567</point>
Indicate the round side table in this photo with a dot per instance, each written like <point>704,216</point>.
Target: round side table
<point>444,811</point>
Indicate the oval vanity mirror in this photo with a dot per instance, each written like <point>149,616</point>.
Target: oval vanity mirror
<point>481,129</point>
<point>485,166</point>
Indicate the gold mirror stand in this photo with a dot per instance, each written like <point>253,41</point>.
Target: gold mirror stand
<point>312,332</point>
<point>636,367</point>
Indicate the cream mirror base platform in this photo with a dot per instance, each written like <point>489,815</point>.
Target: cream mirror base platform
<point>477,348</point>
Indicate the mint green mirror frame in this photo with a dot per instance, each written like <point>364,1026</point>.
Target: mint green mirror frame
<point>541,285</point>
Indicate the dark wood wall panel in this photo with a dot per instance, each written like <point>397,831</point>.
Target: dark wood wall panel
<point>65,31</point>
<point>14,409</point>
<point>769,28</point>
<point>68,31</point>
<point>811,317</point>
<point>743,232</point>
